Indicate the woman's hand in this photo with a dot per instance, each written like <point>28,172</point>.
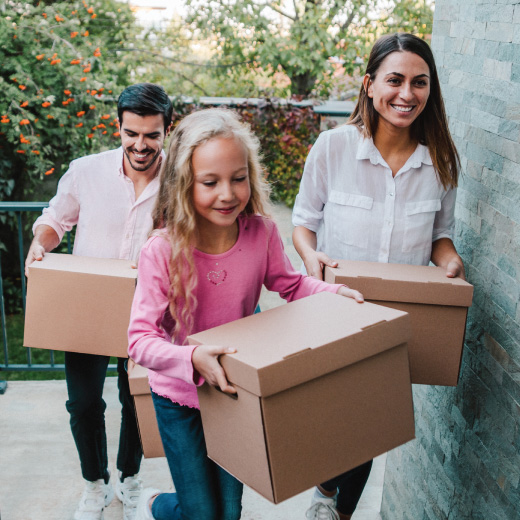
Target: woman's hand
<point>315,261</point>
<point>445,255</point>
<point>455,268</point>
<point>351,293</point>
<point>205,361</point>
<point>304,241</point>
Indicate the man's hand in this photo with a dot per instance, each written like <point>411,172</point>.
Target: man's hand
<point>205,361</point>
<point>36,252</point>
<point>45,239</point>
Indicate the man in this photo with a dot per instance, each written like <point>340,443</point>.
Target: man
<point>110,197</point>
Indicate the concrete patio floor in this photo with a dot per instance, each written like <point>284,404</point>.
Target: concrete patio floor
<point>40,477</point>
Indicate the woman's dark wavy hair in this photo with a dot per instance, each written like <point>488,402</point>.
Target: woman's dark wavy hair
<point>431,127</point>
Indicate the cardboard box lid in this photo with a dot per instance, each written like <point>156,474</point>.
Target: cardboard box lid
<point>86,265</point>
<point>294,343</point>
<point>402,283</point>
<point>137,378</point>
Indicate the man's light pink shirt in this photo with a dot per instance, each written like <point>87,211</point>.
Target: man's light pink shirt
<point>99,198</point>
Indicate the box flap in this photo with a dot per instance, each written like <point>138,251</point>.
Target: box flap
<point>86,265</point>
<point>137,378</point>
<point>402,283</point>
<point>297,342</point>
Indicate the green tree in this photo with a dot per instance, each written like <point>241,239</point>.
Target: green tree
<point>299,38</point>
<point>59,73</point>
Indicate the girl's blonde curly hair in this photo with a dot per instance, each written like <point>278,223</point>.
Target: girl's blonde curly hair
<point>174,210</point>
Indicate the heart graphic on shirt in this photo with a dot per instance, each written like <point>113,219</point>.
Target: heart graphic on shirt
<point>217,277</point>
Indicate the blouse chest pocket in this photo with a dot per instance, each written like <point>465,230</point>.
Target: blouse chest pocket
<point>418,228</point>
<point>349,215</point>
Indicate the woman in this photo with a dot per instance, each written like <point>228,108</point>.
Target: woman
<point>381,188</point>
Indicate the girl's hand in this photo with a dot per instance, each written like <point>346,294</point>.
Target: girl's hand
<point>315,262</point>
<point>205,361</point>
<point>351,293</point>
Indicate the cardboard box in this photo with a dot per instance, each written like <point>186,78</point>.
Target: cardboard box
<point>317,393</point>
<point>437,305</point>
<point>79,304</point>
<point>145,411</point>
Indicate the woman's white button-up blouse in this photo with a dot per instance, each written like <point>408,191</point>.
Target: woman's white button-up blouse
<point>359,211</point>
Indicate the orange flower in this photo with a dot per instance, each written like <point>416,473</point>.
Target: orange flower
<point>74,34</point>
<point>65,103</point>
<point>97,52</point>
<point>49,116</point>
<point>93,16</point>
<point>104,132</point>
<point>101,89</point>
<point>92,107</point>
<point>81,113</point>
<point>90,10</point>
<point>106,116</point>
<point>85,33</point>
<point>15,36</point>
<point>24,122</point>
<point>87,69</point>
<point>75,62</point>
<point>40,57</point>
<point>93,92</point>
<point>58,18</point>
<point>46,104</point>
<point>110,92</point>
<point>79,125</point>
<point>22,87</point>
<point>83,79</point>
<point>53,62</point>
<point>116,134</point>
<point>54,56</point>
<point>24,104</point>
<point>36,152</point>
<point>67,92</point>
<point>90,136</point>
<point>5,119</point>
<point>20,151</point>
<point>48,172</point>
<point>24,140</point>
<point>101,125</point>
<point>44,15</point>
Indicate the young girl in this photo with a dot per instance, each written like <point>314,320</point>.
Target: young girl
<point>212,250</point>
<point>381,189</point>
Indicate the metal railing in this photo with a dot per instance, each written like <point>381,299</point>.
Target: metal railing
<point>18,208</point>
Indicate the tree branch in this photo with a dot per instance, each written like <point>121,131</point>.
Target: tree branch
<point>279,11</point>
<point>191,64</point>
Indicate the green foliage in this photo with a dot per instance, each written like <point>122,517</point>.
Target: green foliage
<point>58,65</point>
<point>286,134</point>
<point>303,41</point>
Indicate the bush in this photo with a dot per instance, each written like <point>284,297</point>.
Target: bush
<point>286,134</point>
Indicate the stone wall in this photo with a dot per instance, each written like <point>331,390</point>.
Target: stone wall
<point>465,462</point>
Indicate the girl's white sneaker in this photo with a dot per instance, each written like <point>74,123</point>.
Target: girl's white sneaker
<point>321,511</point>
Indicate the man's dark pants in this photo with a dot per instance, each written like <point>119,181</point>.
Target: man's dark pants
<point>85,374</point>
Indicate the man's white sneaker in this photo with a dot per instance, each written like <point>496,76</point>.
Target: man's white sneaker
<point>128,492</point>
<point>321,511</point>
<point>143,507</point>
<point>96,496</point>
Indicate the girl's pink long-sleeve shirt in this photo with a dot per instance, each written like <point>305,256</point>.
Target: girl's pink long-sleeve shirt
<point>228,289</point>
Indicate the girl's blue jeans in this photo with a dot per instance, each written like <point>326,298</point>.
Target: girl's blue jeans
<point>204,491</point>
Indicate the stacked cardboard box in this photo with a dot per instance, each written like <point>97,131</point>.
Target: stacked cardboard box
<point>148,429</point>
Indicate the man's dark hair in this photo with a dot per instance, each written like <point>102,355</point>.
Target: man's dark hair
<point>145,99</point>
